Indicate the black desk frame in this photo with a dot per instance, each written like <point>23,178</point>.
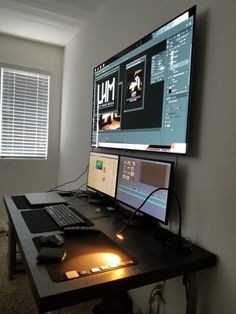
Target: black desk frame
<point>157,262</point>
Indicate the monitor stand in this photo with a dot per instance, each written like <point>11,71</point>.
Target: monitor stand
<point>101,200</point>
<point>144,222</point>
<point>139,221</point>
<point>96,201</point>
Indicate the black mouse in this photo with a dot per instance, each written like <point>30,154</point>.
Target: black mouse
<point>52,240</point>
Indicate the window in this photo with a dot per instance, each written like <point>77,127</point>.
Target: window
<point>24,110</point>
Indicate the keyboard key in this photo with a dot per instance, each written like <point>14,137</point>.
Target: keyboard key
<point>95,269</point>
<point>71,274</point>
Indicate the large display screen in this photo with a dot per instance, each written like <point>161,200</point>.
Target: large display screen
<point>141,96</point>
<point>137,178</point>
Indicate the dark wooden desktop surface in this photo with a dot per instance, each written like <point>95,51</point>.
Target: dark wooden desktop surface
<point>156,261</point>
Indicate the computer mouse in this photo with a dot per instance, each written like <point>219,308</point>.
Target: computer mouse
<point>52,240</point>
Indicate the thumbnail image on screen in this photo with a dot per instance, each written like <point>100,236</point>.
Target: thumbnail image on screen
<point>141,95</point>
<point>137,178</point>
<point>102,172</point>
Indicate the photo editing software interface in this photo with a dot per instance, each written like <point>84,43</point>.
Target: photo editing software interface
<point>137,178</point>
<point>141,95</point>
<point>102,173</point>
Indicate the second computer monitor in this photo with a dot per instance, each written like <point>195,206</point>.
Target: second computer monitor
<point>102,172</point>
<point>137,178</point>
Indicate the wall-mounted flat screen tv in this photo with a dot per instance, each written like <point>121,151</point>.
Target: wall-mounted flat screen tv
<point>141,96</point>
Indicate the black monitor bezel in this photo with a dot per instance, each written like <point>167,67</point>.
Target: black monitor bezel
<point>156,148</point>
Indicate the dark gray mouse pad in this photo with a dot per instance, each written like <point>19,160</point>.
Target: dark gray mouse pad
<point>87,253</point>
<point>39,221</point>
<point>21,202</point>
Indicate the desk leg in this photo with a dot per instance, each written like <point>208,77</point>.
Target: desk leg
<point>192,280</point>
<point>11,251</point>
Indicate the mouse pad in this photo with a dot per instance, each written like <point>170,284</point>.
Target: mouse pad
<point>38,221</point>
<point>22,203</point>
<point>87,253</point>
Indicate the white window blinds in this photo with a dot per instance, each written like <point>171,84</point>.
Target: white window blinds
<point>24,110</point>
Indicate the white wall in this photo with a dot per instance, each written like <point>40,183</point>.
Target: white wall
<point>17,176</point>
<point>206,178</point>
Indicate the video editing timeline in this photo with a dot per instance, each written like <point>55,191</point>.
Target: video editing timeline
<point>141,96</point>
<point>102,172</point>
<point>137,178</point>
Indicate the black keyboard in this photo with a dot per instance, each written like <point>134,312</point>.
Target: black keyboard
<point>66,216</point>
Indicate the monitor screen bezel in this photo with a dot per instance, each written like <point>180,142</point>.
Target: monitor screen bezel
<point>168,203</point>
<point>162,148</point>
<point>118,161</point>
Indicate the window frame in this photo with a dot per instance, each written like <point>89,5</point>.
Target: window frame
<point>46,104</point>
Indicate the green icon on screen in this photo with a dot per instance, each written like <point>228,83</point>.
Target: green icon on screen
<point>99,164</point>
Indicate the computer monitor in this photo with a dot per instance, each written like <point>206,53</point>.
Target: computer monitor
<point>102,173</point>
<point>137,178</point>
<point>141,96</point>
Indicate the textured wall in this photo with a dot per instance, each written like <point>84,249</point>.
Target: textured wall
<point>206,178</point>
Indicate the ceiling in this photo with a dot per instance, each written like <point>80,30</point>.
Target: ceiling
<point>49,21</point>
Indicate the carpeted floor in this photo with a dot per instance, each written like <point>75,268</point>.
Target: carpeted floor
<point>16,296</point>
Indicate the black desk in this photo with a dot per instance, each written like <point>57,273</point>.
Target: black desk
<point>156,262</point>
